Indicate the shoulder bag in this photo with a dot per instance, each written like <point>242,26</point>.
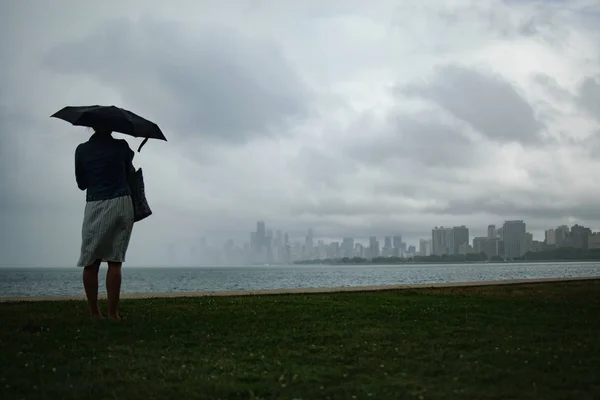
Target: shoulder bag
<point>141,209</point>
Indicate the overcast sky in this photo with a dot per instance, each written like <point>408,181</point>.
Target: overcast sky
<point>347,116</point>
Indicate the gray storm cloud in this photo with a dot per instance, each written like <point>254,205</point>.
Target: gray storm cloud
<point>217,85</point>
<point>490,104</point>
<point>348,118</point>
<point>589,96</point>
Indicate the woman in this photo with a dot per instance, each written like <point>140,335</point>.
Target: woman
<point>103,165</point>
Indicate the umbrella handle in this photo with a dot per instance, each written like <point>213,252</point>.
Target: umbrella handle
<point>142,145</point>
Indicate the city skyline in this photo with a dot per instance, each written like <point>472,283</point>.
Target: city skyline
<point>479,231</point>
<point>510,240</point>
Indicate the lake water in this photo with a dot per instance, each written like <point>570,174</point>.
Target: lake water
<point>23,282</point>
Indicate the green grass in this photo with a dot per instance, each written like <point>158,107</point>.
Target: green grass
<point>534,341</point>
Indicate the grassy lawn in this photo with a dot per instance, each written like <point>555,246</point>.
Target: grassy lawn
<point>534,341</point>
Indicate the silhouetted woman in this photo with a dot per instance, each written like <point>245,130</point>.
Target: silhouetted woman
<point>102,167</point>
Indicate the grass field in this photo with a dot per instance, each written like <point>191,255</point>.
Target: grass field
<point>533,341</point>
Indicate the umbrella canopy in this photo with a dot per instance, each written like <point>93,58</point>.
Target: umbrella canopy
<point>113,118</point>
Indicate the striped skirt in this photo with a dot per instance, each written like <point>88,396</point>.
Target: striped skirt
<point>106,230</point>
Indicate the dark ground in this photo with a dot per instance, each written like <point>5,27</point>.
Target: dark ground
<point>533,341</point>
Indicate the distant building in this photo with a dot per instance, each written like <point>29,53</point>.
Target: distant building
<point>310,251</point>
<point>373,247</point>
<point>594,241</point>
<point>260,229</point>
<point>580,236</point>
<point>359,250</point>
<point>460,236</point>
<point>491,231</point>
<point>501,251</point>
<point>491,247</point>
<point>425,247</point>
<point>442,241</point>
<point>464,249</point>
<point>387,247</point>
<point>527,243</point>
<point>514,238</point>
<point>334,250</point>
<point>500,233</point>
<point>537,245</point>
<point>388,242</point>
<point>347,248</point>
<point>550,237</point>
<point>562,236</point>
<point>322,250</point>
<point>478,244</point>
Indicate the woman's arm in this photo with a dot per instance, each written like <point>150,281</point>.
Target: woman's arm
<point>129,161</point>
<point>79,172</point>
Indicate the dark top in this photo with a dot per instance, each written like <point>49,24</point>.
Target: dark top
<point>102,166</point>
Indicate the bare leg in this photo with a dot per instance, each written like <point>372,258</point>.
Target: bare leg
<point>90,284</point>
<point>113,289</point>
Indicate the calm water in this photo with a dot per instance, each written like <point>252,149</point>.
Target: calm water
<point>24,282</point>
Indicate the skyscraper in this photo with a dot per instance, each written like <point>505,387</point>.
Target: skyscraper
<point>388,242</point>
<point>491,231</point>
<point>460,237</point>
<point>514,238</point>
<point>359,250</point>
<point>309,245</point>
<point>258,243</point>
<point>373,247</point>
<point>335,249</point>
<point>269,246</point>
<point>287,248</point>
<point>425,247</point>
<point>321,251</point>
<point>387,247</point>
<point>562,234</point>
<point>479,244</point>
<point>442,241</point>
<point>550,237</point>
<point>347,247</point>
<point>260,231</point>
<point>579,236</point>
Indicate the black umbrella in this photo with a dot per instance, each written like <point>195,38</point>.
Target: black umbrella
<point>112,118</point>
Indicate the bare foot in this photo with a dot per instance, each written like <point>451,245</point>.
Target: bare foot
<point>115,317</point>
<point>97,315</point>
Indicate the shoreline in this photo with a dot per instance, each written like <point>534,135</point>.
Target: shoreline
<point>225,293</point>
<point>420,263</point>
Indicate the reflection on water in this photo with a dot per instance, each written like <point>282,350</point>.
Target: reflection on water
<point>67,281</point>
